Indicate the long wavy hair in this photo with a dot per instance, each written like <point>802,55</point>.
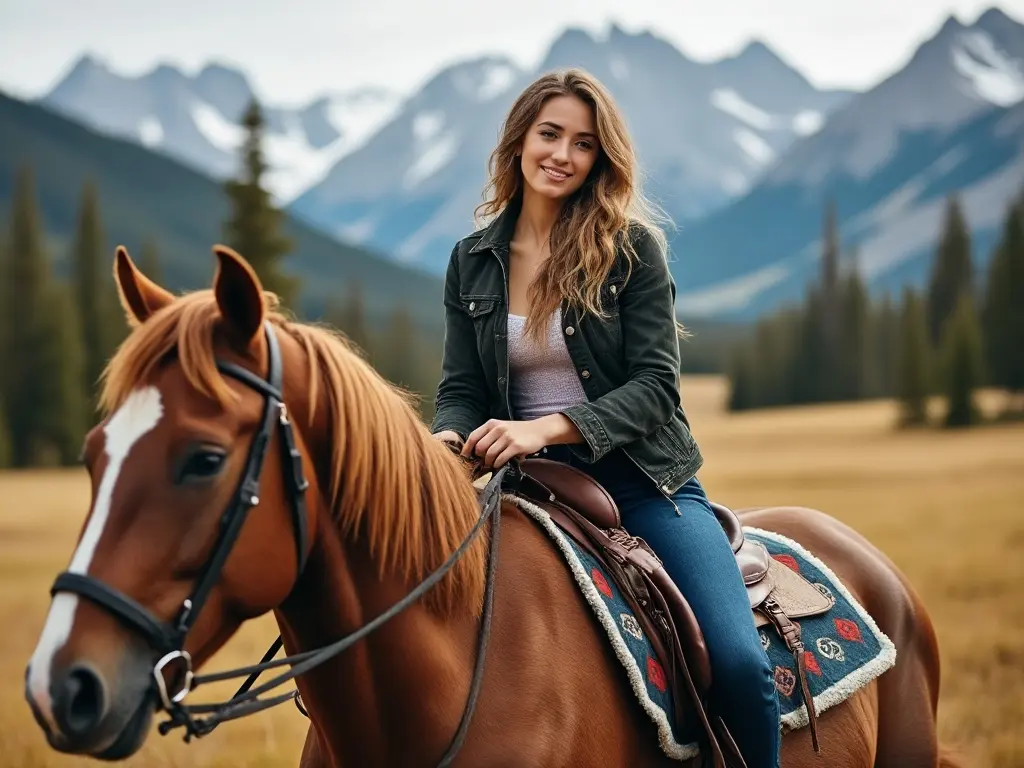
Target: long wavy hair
<point>595,221</point>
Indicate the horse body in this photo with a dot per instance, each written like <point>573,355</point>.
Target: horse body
<point>386,505</point>
<point>554,696</point>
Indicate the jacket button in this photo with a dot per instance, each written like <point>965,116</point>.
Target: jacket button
<point>585,374</point>
<point>472,306</point>
<point>570,331</point>
<point>614,288</point>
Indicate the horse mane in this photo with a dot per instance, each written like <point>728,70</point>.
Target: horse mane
<point>390,481</point>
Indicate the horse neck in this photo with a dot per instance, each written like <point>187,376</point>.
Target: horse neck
<point>368,704</point>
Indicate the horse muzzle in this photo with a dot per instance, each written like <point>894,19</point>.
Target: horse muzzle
<point>85,712</point>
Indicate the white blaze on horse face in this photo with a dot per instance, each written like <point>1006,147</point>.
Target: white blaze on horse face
<point>139,414</point>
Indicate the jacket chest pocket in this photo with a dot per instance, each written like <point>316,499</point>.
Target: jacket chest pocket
<point>481,311</point>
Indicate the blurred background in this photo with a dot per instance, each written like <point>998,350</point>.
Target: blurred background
<point>845,184</point>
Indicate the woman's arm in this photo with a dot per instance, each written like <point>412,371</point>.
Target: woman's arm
<point>461,401</point>
<point>649,336</point>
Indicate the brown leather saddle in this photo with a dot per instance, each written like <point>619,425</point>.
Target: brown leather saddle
<point>584,510</point>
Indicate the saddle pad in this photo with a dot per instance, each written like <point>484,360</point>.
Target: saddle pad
<point>844,648</point>
<point>631,646</point>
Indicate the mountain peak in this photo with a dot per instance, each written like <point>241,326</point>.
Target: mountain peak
<point>88,72</point>
<point>757,49</point>
<point>994,19</point>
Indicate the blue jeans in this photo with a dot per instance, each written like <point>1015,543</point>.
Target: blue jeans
<point>697,555</point>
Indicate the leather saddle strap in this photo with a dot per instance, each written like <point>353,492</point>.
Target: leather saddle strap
<point>789,631</point>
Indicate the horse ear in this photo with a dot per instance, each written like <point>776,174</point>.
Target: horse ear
<point>139,295</point>
<point>239,294</point>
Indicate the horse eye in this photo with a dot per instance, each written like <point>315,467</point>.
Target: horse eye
<point>201,465</point>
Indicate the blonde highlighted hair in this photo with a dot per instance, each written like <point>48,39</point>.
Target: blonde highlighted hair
<point>596,220</point>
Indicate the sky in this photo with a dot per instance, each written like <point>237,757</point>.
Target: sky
<point>293,51</point>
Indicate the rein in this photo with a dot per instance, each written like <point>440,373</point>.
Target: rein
<point>168,638</point>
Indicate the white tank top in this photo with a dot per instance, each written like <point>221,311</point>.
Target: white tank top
<point>542,379</point>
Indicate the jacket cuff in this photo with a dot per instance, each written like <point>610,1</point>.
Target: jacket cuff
<point>597,442</point>
<point>458,423</point>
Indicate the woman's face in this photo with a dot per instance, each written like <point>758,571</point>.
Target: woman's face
<point>560,147</point>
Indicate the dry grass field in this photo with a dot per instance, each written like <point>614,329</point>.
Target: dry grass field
<point>947,507</point>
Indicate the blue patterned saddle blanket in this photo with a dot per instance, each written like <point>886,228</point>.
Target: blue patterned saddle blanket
<point>845,649</point>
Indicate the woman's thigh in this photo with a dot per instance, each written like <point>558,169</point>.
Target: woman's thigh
<point>697,555</point>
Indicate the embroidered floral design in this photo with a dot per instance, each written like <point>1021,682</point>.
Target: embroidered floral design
<point>631,625</point>
<point>830,649</point>
<point>601,582</point>
<point>785,681</point>
<point>848,630</point>
<point>656,674</point>
<point>811,663</point>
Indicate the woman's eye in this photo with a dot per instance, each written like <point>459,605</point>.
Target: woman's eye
<point>201,465</point>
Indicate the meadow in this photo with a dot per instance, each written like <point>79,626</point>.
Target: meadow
<point>947,507</point>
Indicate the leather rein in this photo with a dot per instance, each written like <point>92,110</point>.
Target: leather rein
<point>168,638</point>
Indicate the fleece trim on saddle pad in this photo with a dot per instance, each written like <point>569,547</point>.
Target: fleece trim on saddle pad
<point>846,648</point>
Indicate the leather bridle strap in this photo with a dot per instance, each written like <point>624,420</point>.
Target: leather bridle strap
<point>159,634</point>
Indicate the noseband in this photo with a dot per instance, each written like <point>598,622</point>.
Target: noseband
<point>168,638</point>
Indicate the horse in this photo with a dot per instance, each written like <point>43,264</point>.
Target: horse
<point>385,505</point>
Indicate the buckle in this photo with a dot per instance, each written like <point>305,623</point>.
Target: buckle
<point>161,684</point>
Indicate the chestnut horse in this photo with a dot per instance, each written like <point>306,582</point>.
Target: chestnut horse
<point>384,507</point>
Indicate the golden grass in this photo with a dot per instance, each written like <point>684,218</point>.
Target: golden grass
<point>946,506</point>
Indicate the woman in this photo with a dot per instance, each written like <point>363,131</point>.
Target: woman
<point>561,339</point>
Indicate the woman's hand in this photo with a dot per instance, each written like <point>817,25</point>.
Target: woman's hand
<point>497,442</point>
<point>448,436</point>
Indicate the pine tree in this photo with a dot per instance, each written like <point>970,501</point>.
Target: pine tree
<point>6,456</point>
<point>811,358</point>
<point>831,311</point>
<point>253,229</point>
<point>6,329</point>
<point>951,270</point>
<point>61,353</point>
<point>913,385</point>
<point>742,394</point>
<point>1003,313</point>
<point>856,361</point>
<point>350,317</point>
<point>396,350</point>
<point>149,261</point>
<point>94,295</point>
<point>40,404</point>
<point>886,347</point>
<point>962,363</point>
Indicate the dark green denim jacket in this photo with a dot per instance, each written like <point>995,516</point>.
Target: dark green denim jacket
<point>628,364</point>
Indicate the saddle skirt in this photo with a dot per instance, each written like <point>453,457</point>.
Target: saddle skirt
<point>585,511</point>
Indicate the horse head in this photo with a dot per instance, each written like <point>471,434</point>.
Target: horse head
<point>189,532</point>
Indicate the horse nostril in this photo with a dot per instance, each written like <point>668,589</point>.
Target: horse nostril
<point>81,705</point>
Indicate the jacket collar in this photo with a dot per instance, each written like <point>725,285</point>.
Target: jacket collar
<point>498,234</point>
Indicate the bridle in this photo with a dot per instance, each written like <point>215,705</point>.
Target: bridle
<point>168,638</point>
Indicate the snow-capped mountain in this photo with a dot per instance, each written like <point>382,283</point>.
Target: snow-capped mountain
<point>952,120</point>
<point>196,120</point>
<point>705,134</point>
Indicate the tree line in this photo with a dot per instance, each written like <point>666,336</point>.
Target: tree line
<point>58,331</point>
<point>960,332</point>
